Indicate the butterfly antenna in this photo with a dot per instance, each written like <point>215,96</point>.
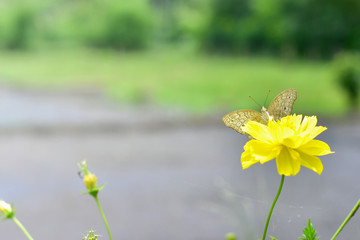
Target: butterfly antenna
<point>255,101</point>
<point>267,97</point>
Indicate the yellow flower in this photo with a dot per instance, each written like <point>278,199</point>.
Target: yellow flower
<point>290,140</point>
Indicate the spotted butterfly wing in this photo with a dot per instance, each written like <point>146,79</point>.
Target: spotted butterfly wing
<point>282,104</point>
<point>279,107</point>
<point>237,119</point>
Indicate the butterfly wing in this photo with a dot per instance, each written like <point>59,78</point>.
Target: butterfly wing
<point>282,104</point>
<point>237,119</point>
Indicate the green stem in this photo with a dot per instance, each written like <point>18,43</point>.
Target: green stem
<point>103,216</point>
<point>22,227</point>
<point>351,214</point>
<point>272,207</point>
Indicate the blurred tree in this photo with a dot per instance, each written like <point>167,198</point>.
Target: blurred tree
<point>323,27</point>
<point>168,21</point>
<point>310,28</point>
<point>125,30</point>
<point>17,26</point>
<point>223,30</point>
<point>21,29</point>
<point>177,20</point>
<point>315,28</point>
<point>348,77</point>
<point>103,24</point>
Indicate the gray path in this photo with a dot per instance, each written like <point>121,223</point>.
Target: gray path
<point>167,175</point>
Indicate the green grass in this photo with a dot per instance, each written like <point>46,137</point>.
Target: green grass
<point>179,78</point>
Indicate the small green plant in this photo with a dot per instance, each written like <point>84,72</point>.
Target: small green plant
<point>90,236</point>
<point>309,232</point>
<point>90,182</point>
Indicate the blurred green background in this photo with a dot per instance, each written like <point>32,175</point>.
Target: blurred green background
<point>199,55</point>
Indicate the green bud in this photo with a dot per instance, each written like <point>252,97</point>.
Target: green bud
<point>230,236</point>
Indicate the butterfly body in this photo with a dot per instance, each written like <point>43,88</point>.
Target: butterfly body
<point>279,107</point>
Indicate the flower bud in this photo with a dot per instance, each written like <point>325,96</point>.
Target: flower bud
<point>230,236</point>
<point>90,181</point>
<point>6,209</point>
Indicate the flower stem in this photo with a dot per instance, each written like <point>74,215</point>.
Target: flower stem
<point>272,206</point>
<point>22,227</point>
<point>103,216</point>
<point>351,214</point>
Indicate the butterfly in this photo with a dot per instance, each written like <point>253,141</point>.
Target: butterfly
<point>279,107</point>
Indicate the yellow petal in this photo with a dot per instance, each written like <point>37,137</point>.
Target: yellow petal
<point>257,130</point>
<point>297,119</point>
<point>288,162</point>
<point>308,124</point>
<point>316,131</point>
<point>295,141</point>
<point>246,157</point>
<point>315,148</point>
<point>263,151</point>
<point>291,121</point>
<point>307,136</point>
<point>278,132</point>
<point>311,162</point>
